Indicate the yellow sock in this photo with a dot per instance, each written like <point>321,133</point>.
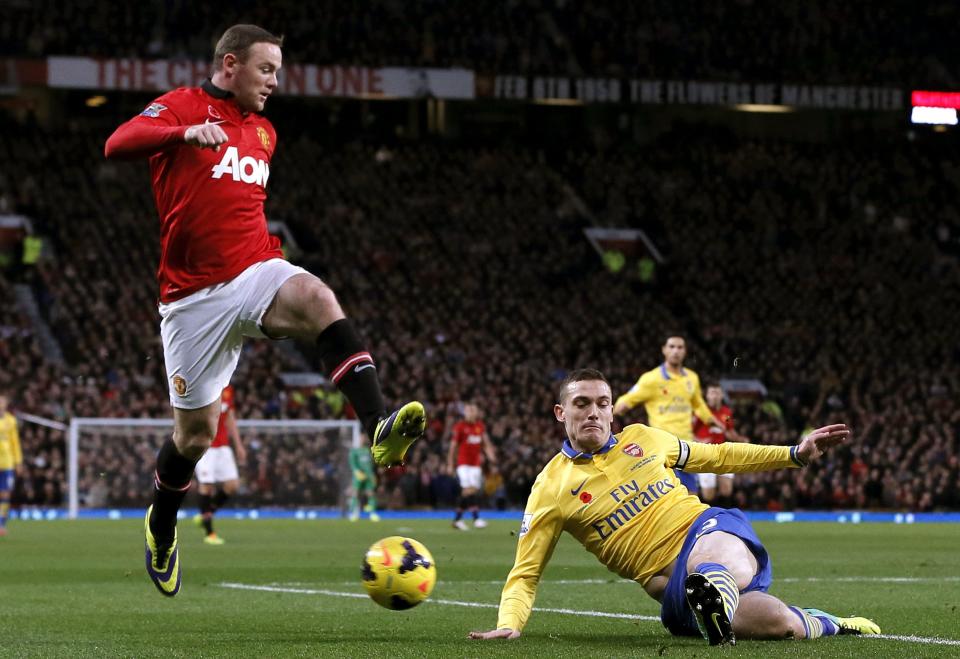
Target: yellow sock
<point>720,577</point>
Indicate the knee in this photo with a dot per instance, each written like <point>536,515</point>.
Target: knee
<point>788,626</point>
<point>194,439</point>
<point>320,297</point>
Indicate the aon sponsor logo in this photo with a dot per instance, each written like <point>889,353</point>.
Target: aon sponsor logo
<point>246,169</point>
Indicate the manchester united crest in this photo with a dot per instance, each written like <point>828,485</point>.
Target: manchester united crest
<point>264,137</point>
<point>179,385</point>
<point>634,450</point>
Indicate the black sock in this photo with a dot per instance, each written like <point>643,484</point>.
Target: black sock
<point>206,512</point>
<point>459,514</point>
<point>219,499</point>
<point>351,368</point>
<point>171,481</point>
<point>475,512</point>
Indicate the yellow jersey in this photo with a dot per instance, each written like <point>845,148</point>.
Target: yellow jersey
<point>670,400</point>
<point>10,455</point>
<point>624,504</point>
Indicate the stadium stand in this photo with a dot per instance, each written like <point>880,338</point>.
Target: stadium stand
<point>809,266</point>
<point>823,41</point>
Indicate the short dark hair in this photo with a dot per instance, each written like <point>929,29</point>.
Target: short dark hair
<point>579,375</point>
<point>712,383</point>
<point>238,39</point>
<point>673,335</point>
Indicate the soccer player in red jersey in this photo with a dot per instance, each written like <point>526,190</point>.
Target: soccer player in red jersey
<point>222,276</point>
<point>218,466</point>
<point>706,433</point>
<point>469,437</point>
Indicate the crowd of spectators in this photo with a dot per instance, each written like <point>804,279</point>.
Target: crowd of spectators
<point>820,41</point>
<point>828,271</point>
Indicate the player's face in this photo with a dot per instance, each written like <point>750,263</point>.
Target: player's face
<point>714,397</point>
<point>256,78</point>
<point>3,404</point>
<point>586,412</point>
<point>470,413</point>
<point>674,351</point>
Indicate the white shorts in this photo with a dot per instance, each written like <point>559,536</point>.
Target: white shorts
<point>217,466</point>
<point>710,480</point>
<point>203,333</point>
<point>470,477</point>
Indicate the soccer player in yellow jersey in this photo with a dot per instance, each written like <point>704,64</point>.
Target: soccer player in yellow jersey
<point>619,497</point>
<point>10,459</point>
<point>670,394</point>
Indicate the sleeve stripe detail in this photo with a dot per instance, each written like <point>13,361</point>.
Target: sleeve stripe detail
<point>684,455</point>
<point>796,458</point>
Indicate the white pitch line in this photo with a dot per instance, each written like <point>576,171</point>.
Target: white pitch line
<point>578,582</point>
<point>867,579</point>
<point>473,605</point>
<point>577,612</point>
<point>913,639</point>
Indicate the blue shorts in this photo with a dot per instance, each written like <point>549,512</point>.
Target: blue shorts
<point>6,480</point>
<point>675,614</point>
<point>689,481</point>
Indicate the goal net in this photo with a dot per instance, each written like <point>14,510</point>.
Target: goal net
<point>290,463</point>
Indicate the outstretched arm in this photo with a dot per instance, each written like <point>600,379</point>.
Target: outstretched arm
<point>821,440</point>
<point>541,528</point>
<point>738,458</point>
<point>136,139</point>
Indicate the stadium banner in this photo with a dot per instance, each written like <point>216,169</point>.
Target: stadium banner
<point>294,79</point>
<point>688,92</point>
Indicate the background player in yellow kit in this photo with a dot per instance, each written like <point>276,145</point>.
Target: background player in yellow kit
<point>10,459</point>
<point>670,394</point>
<point>619,497</point>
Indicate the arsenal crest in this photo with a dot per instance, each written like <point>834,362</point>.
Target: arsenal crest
<point>634,450</point>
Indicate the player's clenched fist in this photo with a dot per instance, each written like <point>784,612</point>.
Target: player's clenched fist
<point>205,136</point>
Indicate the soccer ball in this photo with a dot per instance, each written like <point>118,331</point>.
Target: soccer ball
<point>398,572</point>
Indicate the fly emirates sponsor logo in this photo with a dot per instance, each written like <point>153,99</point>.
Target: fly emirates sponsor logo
<point>246,169</point>
<point>632,501</point>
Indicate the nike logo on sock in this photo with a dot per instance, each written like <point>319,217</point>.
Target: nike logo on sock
<point>357,369</point>
<point>579,487</point>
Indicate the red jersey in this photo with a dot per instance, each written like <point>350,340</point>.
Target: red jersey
<point>710,434</point>
<point>212,224</point>
<point>226,404</point>
<point>469,437</point>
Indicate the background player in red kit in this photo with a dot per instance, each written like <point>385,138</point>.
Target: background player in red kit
<point>706,433</point>
<point>222,277</point>
<point>468,437</point>
<point>218,467</point>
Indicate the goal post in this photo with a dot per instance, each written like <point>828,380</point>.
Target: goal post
<point>102,448</point>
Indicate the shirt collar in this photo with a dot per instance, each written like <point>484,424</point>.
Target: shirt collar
<point>215,91</point>
<point>574,454</point>
<point>666,373</point>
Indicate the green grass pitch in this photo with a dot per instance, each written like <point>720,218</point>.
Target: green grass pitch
<point>79,589</point>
